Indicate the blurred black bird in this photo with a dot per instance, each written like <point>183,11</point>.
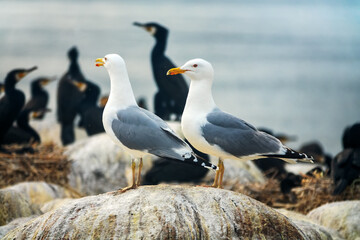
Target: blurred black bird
<point>271,167</point>
<point>13,100</point>
<point>346,168</point>
<point>289,182</point>
<point>23,123</point>
<point>351,136</point>
<point>346,164</point>
<point>322,160</point>
<point>141,101</point>
<point>90,112</point>
<point>2,89</point>
<point>172,171</point>
<point>39,97</point>
<point>69,98</point>
<point>23,133</point>
<point>172,90</point>
<point>103,101</point>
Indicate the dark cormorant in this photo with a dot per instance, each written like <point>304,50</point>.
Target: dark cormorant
<point>346,164</point>
<point>23,123</point>
<point>13,100</point>
<point>315,149</point>
<point>90,112</point>
<point>173,171</point>
<point>2,89</point>
<point>69,97</point>
<point>16,135</point>
<point>103,101</point>
<point>172,91</point>
<point>39,97</point>
<point>351,136</point>
<point>141,101</point>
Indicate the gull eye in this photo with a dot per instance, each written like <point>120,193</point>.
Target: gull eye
<point>195,65</point>
<point>105,59</point>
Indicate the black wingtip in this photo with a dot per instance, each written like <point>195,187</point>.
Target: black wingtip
<point>198,161</point>
<point>292,155</point>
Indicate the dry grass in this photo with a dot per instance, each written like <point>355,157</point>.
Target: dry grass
<point>46,164</point>
<point>313,192</point>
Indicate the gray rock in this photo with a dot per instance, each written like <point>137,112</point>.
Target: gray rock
<point>295,215</point>
<point>344,217</point>
<point>38,193</point>
<point>236,172</point>
<point>56,203</point>
<point>14,224</point>
<point>310,227</point>
<point>98,165</point>
<point>316,232</point>
<point>162,212</point>
<point>14,205</point>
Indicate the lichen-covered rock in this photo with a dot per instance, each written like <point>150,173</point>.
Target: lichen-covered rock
<point>242,172</point>
<point>14,224</point>
<point>344,217</point>
<point>98,165</point>
<point>14,205</point>
<point>310,227</point>
<point>56,203</point>
<point>38,193</point>
<point>162,212</point>
<point>316,232</point>
<point>236,172</point>
<point>295,215</point>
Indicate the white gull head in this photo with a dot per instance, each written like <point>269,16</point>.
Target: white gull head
<point>111,62</point>
<point>195,69</point>
<point>121,93</point>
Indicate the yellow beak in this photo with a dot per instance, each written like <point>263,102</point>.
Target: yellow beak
<point>175,71</point>
<point>99,62</point>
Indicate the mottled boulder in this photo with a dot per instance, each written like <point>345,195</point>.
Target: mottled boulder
<point>236,172</point>
<point>14,205</point>
<point>295,215</point>
<point>14,224</point>
<point>162,212</point>
<point>56,203</point>
<point>310,228</point>
<point>38,193</point>
<point>344,217</point>
<point>317,232</point>
<point>98,165</point>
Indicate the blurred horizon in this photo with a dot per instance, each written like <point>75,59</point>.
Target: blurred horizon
<point>292,67</point>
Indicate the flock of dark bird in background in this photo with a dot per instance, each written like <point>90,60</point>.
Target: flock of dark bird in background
<point>78,96</point>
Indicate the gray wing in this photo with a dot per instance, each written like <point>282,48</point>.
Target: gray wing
<point>236,136</point>
<point>142,130</point>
